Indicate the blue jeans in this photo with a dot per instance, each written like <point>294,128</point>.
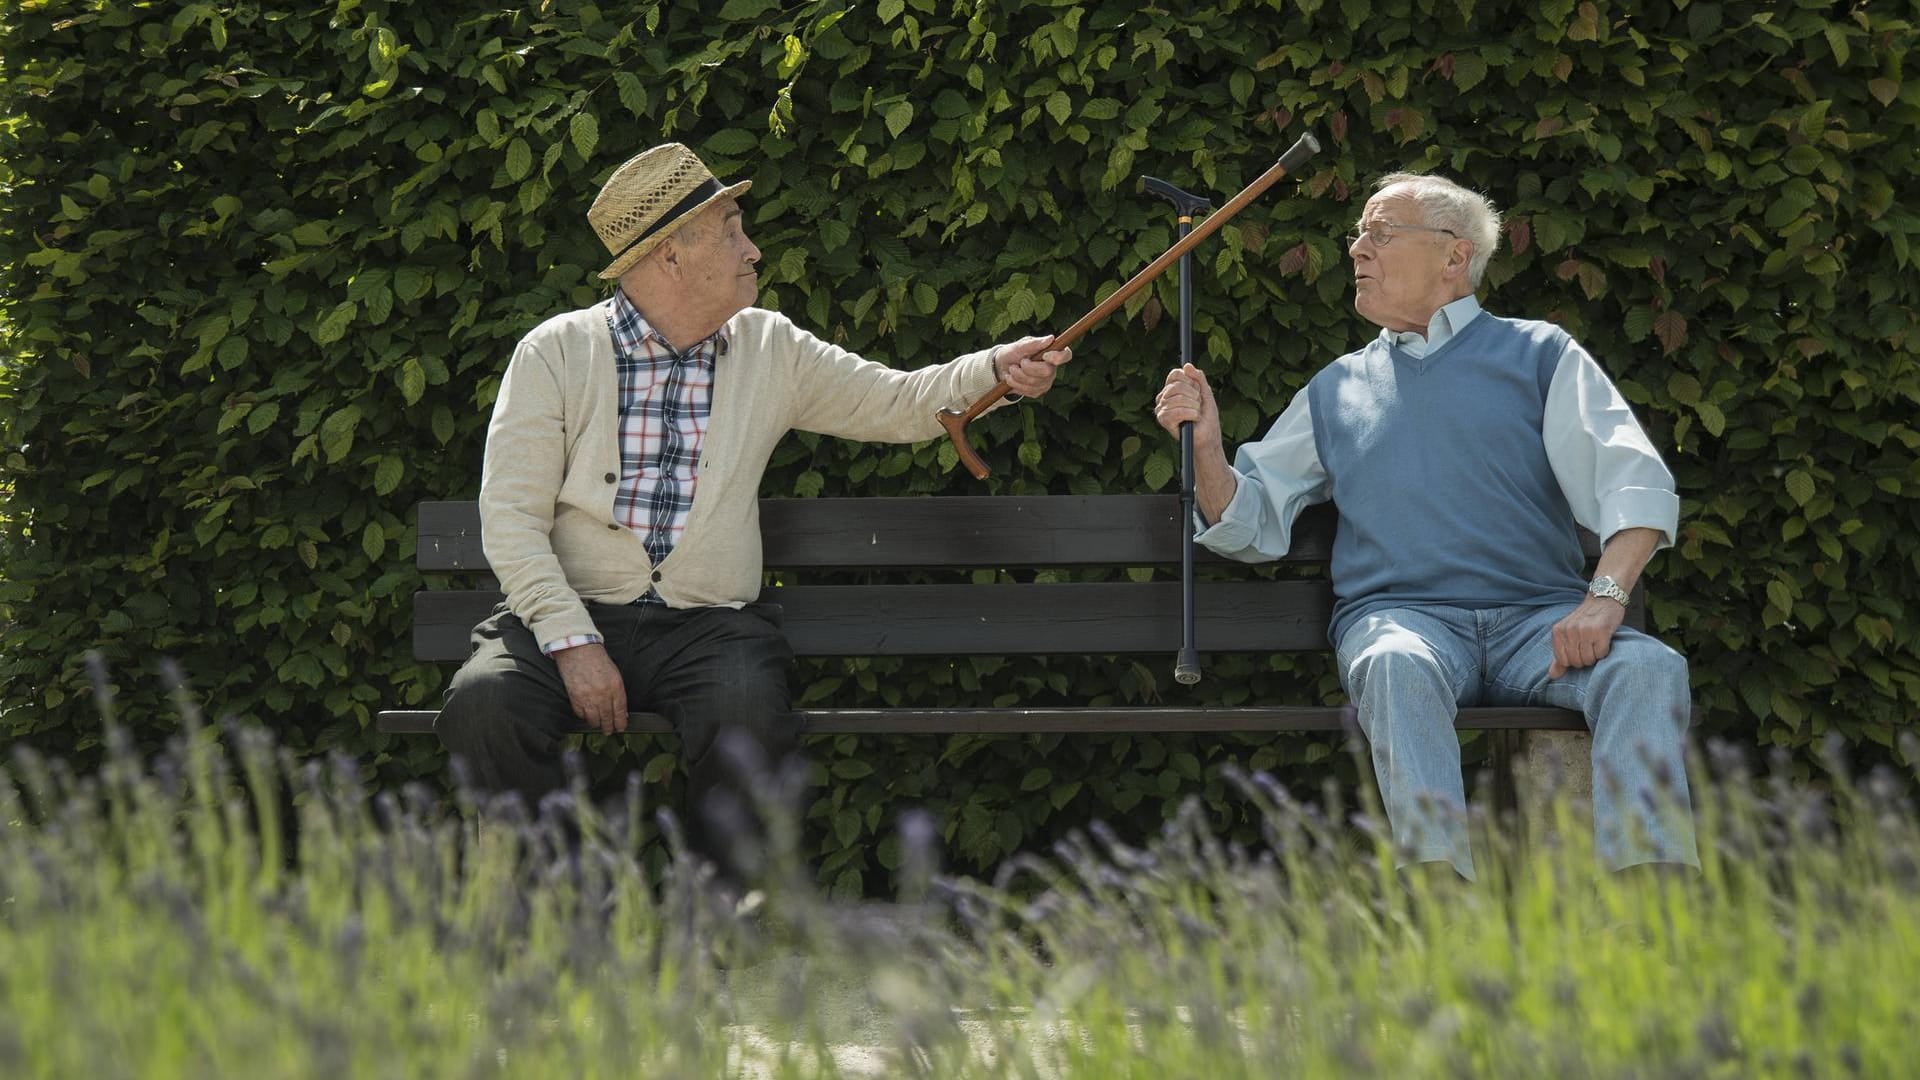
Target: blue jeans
<point>1409,669</point>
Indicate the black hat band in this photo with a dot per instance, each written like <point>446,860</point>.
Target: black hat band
<point>699,195</point>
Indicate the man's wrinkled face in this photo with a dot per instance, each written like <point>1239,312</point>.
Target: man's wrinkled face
<point>1400,263</point>
<point>718,261</point>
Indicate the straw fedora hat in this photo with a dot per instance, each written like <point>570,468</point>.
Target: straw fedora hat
<point>645,200</point>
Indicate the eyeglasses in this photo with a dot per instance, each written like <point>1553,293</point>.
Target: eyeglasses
<point>1382,232</point>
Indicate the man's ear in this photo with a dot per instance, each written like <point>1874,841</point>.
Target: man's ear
<point>668,254</point>
<point>1459,255</point>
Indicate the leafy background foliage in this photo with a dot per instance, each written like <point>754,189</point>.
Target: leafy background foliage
<point>264,265</point>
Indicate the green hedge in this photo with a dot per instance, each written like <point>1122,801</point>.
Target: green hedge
<point>264,265</point>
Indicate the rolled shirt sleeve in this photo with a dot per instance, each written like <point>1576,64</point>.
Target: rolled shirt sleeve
<point>572,641</point>
<point>1277,477</point>
<point>1612,476</point>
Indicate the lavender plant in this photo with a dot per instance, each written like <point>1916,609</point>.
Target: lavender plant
<point>226,910</point>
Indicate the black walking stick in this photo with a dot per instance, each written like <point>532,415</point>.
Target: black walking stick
<point>1186,666</point>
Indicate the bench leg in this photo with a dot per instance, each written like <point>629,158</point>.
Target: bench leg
<point>1547,765</point>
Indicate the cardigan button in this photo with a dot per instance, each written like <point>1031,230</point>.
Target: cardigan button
<point>611,478</point>
<point>656,575</point>
<point>613,525</point>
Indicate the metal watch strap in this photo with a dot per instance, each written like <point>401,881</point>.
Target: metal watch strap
<point>1604,585</point>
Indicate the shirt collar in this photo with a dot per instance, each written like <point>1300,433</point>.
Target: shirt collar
<point>631,331</point>
<point>1446,322</point>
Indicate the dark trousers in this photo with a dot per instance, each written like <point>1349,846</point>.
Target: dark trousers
<point>718,674</point>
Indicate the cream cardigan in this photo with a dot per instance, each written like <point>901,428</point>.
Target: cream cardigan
<point>552,462</point>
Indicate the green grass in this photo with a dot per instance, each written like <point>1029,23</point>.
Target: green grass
<point>152,925</point>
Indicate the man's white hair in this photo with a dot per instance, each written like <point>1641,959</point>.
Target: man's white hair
<point>1449,206</point>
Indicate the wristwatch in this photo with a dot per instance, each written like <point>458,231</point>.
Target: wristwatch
<point>1609,588</point>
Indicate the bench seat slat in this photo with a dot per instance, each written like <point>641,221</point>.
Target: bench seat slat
<point>1085,618</point>
<point>1086,720</point>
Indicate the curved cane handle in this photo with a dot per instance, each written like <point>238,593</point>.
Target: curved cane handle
<point>956,421</point>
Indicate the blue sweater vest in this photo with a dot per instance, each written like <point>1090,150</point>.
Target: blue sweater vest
<point>1437,469</point>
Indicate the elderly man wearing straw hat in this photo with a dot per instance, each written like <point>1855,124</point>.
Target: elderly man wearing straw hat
<point>619,497</point>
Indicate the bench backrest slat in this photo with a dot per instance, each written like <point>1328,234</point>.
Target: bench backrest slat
<point>1088,618</point>
<point>995,531</point>
<point>904,532</point>
<point>967,531</point>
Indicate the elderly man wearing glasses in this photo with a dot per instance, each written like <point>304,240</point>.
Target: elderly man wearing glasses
<point>1461,448</point>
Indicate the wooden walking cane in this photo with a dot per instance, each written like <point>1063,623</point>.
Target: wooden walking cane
<point>956,422</point>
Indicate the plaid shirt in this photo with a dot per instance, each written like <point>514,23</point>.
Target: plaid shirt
<point>665,400</point>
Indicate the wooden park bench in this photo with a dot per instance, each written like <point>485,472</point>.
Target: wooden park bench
<point>1239,609</point>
